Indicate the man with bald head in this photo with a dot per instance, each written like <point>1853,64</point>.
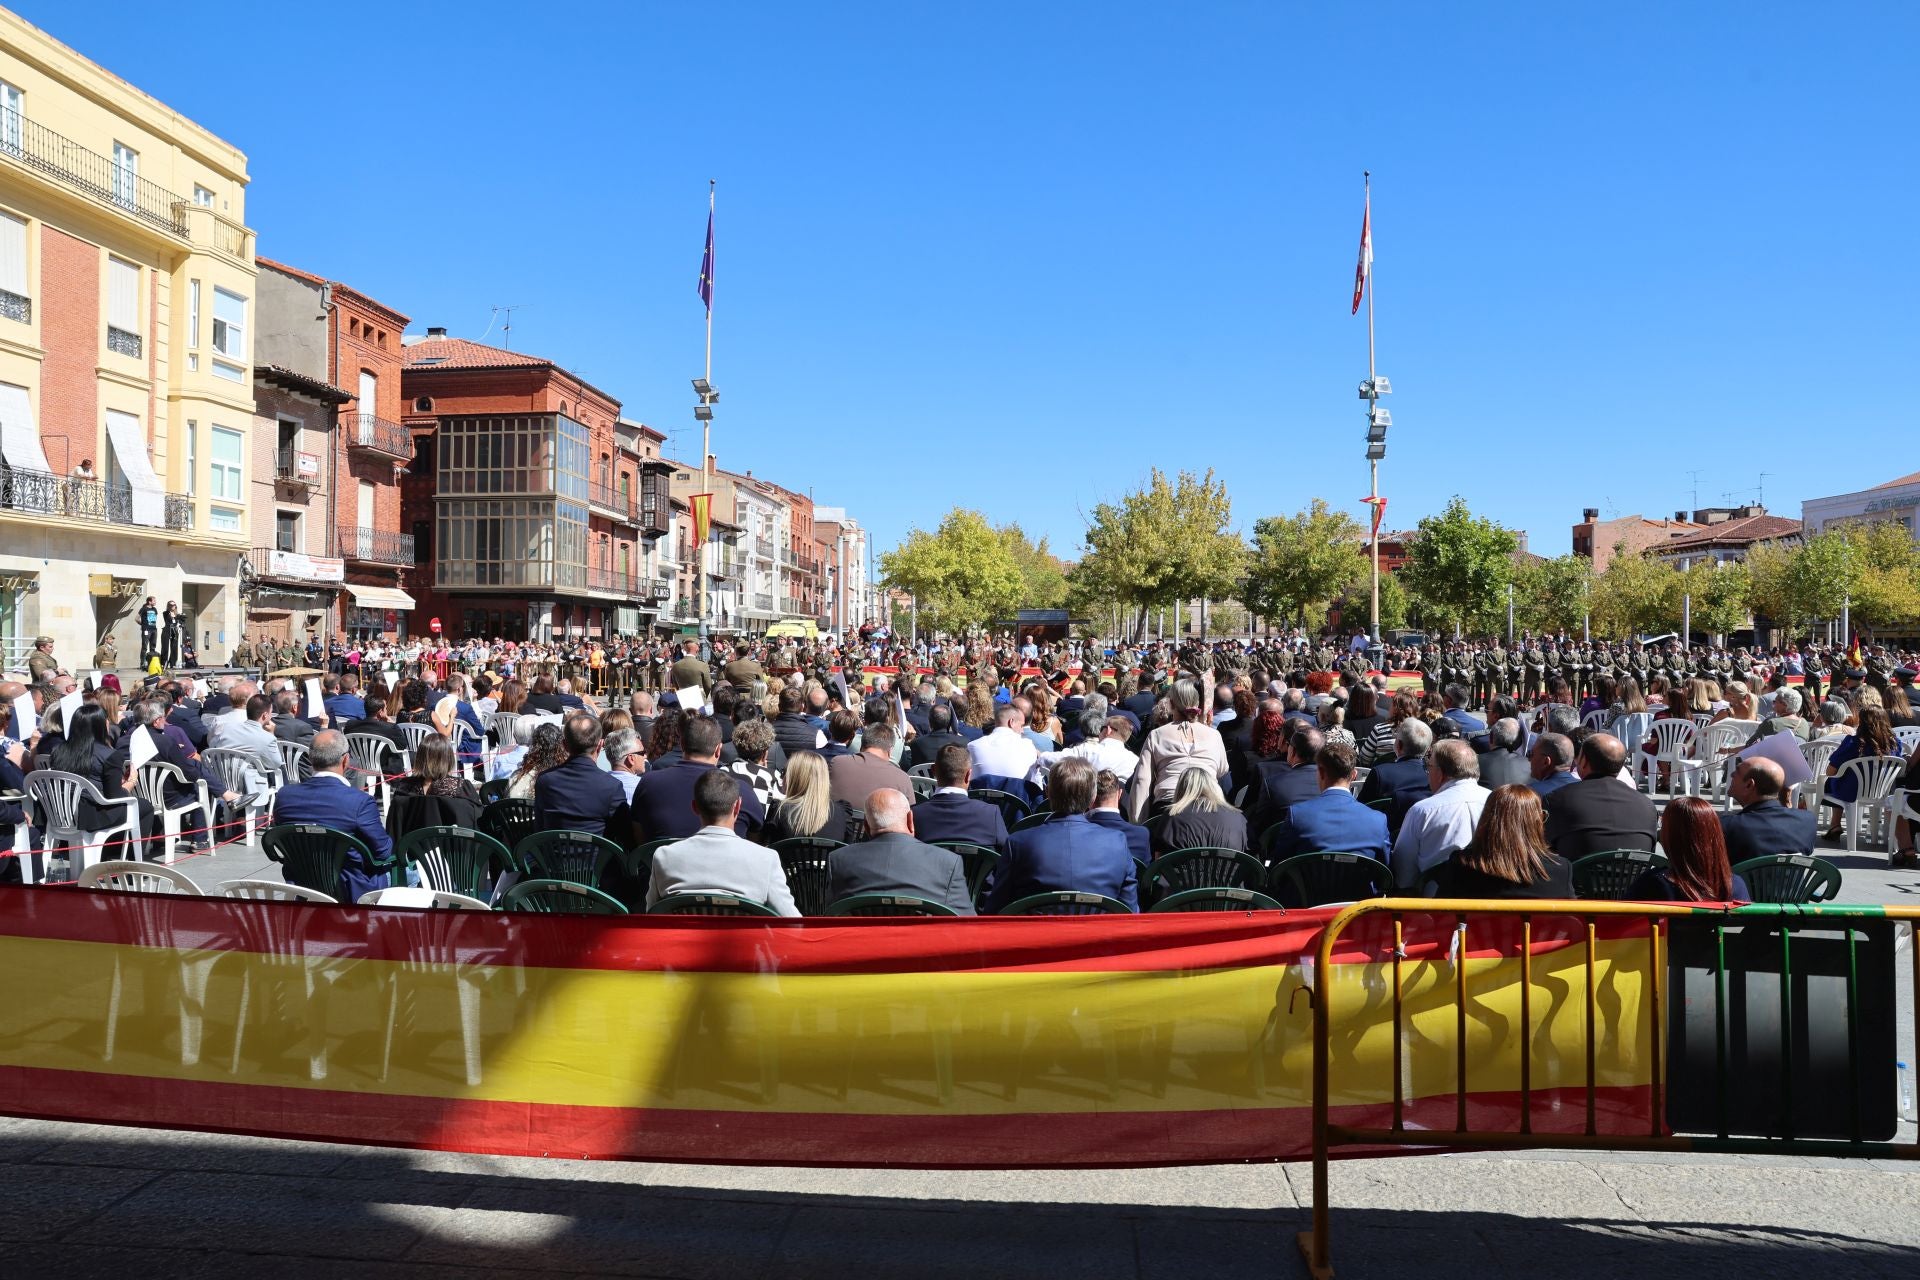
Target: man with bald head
<point>1763,825</point>
<point>1599,814</point>
<point>891,861</point>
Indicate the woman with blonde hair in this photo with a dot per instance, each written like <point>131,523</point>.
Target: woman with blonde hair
<point>1200,817</point>
<point>809,808</point>
<point>1508,856</point>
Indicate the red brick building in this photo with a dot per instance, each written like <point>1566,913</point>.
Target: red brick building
<point>525,508</point>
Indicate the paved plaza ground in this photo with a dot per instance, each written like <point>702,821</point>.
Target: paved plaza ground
<point>96,1201</point>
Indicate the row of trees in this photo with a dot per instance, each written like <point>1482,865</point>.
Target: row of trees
<point>1174,541</point>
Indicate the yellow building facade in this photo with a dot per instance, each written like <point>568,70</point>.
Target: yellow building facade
<point>126,361</point>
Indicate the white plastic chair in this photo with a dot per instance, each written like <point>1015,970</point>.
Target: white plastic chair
<point>1909,736</point>
<point>1806,795</point>
<point>465,739</point>
<point>150,783</point>
<point>502,726</point>
<point>1874,777</point>
<point>138,877</point>
<point>53,800</point>
<point>272,891</point>
<point>1676,746</point>
<point>1719,748</point>
<point>367,757</point>
<point>415,734</point>
<point>1632,729</point>
<point>420,897</point>
<point>1596,719</point>
<point>294,766</point>
<point>234,767</point>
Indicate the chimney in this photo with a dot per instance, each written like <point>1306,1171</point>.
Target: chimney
<point>1679,517</point>
<point>1589,514</point>
<point>436,333</point>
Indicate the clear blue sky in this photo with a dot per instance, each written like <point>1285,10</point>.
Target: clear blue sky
<point>1010,256</point>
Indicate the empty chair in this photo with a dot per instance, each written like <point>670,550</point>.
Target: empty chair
<point>1064,902</point>
<point>1012,807</point>
<point>371,758</point>
<point>887,904</point>
<point>1217,898</point>
<point>563,897</point>
<point>1205,868</point>
<point>979,861</point>
<point>1315,879</point>
<point>138,877</point>
<point>1611,873</point>
<point>1675,749</point>
<point>413,896</point>
<point>150,784</point>
<point>509,821</point>
<point>294,766</point>
<point>566,855</point>
<point>238,771</point>
<point>272,891</point>
<point>710,904</point>
<point>53,802</point>
<point>804,859</point>
<point>1789,878</point>
<point>413,733</point>
<point>454,859</point>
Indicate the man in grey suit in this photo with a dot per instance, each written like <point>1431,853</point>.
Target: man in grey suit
<point>1503,763</point>
<point>890,860</point>
<point>715,859</point>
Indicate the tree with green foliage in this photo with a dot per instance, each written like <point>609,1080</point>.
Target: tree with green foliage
<point>1719,593</point>
<point>1552,595</point>
<point>1458,568</point>
<point>962,574</point>
<point>1165,543</point>
<point>1303,562</point>
<point>1637,595</point>
<point>1043,576</point>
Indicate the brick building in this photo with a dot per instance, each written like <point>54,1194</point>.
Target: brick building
<point>341,338</point>
<point>294,584</point>
<point>525,510</point>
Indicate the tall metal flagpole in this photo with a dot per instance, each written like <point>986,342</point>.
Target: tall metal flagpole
<point>706,445</point>
<point>1373,464</point>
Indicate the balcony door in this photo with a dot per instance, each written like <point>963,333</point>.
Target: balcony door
<point>369,407</point>
<point>363,521</point>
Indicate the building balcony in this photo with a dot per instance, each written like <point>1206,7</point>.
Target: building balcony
<point>377,436</point>
<point>375,546</point>
<point>15,307</point>
<point>39,495</point>
<point>293,566</point>
<point>759,602</point>
<point>296,467</point>
<point>123,343</point>
<point>602,580</point>
<point>610,501</point>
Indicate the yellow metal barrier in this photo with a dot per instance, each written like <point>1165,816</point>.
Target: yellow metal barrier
<point>1315,1245</point>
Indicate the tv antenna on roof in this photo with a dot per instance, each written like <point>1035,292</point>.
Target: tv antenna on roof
<point>506,330</point>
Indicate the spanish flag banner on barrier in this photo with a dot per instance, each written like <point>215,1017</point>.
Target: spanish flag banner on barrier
<point>1008,1042</point>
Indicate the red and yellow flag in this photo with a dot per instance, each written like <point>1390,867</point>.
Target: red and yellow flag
<point>702,504</point>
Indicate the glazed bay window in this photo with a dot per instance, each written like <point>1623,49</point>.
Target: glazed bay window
<point>229,335</point>
<point>226,474</point>
<point>520,543</point>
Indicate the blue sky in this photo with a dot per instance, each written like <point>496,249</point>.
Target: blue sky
<point>1010,256</point>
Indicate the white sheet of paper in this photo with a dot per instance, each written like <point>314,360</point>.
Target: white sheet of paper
<point>691,699</point>
<point>140,746</point>
<point>1783,748</point>
<point>28,717</point>
<point>69,705</point>
<point>199,688</point>
<point>316,701</point>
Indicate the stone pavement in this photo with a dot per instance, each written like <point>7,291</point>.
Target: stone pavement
<point>99,1201</point>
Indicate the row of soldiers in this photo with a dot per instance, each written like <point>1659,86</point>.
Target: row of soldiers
<point>1531,666</point>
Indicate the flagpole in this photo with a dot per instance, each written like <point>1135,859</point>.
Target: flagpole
<point>1373,464</point>
<point>706,454</point>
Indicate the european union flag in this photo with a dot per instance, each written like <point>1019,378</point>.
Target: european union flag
<point>706,267</point>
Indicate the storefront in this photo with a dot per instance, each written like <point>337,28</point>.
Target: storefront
<point>376,613</point>
<point>292,596</point>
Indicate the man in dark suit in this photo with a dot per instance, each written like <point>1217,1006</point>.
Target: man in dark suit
<point>185,713</point>
<point>1600,813</point>
<point>1283,786</point>
<point>287,724</point>
<point>1763,825</point>
<point>1067,852</point>
<point>1472,727</point>
<point>579,795</point>
<point>1107,790</point>
<point>1140,703</point>
<point>663,800</point>
<point>543,700</point>
<point>173,747</point>
<point>1333,821</point>
<point>1402,780</point>
<point>1502,762</point>
<point>327,798</point>
<point>1551,764</point>
<point>923,749</point>
<point>950,814</point>
<point>892,860</point>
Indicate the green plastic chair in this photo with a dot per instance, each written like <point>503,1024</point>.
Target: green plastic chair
<point>1012,808</point>
<point>1790,877</point>
<point>454,859</point>
<point>979,861</point>
<point>566,855</point>
<point>709,904</point>
<point>804,858</point>
<point>313,856</point>
<point>888,904</point>
<point>560,897</point>
<point>1067,903</point>
<point>494,790</point>
<point>1205,867</point>
<point>509,821</point>
<point>1610,874</point>
<point>1037,818</point>
<point>1310,879</point>
<point>1217,898</point>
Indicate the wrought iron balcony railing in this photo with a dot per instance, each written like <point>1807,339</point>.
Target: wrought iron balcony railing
<point>123,343</point>
<point>15,307</point>
<point>377,435</point>
<point>96,501</point>
<point>375,546</point>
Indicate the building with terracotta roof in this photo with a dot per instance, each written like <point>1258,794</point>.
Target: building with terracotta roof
<point>332,543</point>
<point>1722,535</point>
<point>1600,540</point>
<point>1897,500</point>
<point>525,507</point>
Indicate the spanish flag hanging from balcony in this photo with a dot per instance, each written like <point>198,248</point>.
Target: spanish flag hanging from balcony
<point>702,517</point>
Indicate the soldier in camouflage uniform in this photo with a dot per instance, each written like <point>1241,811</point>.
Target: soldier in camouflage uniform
<point>1482,675</point>
<point>1534,669</point>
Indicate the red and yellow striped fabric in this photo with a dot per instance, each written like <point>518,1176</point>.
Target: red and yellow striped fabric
<point>1030,1042</point>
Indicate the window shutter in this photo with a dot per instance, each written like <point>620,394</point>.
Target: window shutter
<point>123,295</point>
<point>13,255</point>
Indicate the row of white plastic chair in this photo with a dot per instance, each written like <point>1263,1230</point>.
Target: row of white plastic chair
<point>149,877</point>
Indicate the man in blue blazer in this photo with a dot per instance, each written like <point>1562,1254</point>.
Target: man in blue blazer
<point>327,798</point>
<point>1107,790</point>
<point>1067,852</point>
<point>663,800</point>
<point>580,795</point>
<point>1763,825</point>
<point>1403,779</point>
<point>1551,763</point>
<point>1472,727</point>
<point>1333,821</point>
<point>950,814</point>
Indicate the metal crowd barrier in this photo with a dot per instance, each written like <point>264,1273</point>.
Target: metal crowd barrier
<point>1702,930</point>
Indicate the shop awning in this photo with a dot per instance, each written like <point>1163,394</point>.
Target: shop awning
<point>380,597</point>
